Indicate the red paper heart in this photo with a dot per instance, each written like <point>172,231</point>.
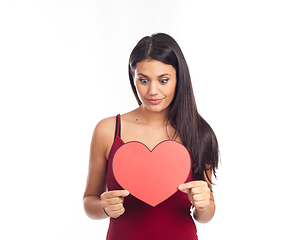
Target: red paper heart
<point>151,176</point>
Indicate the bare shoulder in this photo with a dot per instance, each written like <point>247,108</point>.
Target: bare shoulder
<point>106,126</point>
<point>104,132</point>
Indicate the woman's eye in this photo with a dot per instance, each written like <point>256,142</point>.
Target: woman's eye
<point>163,81</point>
<point>143,81</point>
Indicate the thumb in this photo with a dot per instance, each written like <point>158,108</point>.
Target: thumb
<point>184,188</point>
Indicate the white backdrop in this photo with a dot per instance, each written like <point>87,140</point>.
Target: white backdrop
<point>63,67</point>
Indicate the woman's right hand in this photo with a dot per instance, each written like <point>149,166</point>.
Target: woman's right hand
<point>112,202</point>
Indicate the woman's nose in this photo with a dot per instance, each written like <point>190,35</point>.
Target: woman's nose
<point>153,90</point>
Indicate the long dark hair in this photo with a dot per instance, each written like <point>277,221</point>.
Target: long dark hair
<point>196,134</point>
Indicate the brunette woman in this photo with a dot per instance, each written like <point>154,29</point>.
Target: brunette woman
<point>161,83</point>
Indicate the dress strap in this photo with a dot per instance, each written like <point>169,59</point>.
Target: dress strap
<point>118,126</point>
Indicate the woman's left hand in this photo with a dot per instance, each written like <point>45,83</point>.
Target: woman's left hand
<point>198,193</point>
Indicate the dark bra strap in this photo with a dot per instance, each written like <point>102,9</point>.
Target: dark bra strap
<point>118,126</point>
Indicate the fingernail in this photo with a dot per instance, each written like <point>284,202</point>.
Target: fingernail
<point>127,192</point>
<point>180,187</point>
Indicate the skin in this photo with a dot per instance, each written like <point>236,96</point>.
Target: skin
<point>155,83</point>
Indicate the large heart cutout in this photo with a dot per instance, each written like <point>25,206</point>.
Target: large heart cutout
<point>151,176</point>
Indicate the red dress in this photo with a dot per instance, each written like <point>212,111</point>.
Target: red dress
<point>170,219</point>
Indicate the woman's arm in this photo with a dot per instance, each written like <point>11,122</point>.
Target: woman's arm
<point>102,140</point>
<point>96,181</point>
<point>202,198</point>
<point>99,203</point>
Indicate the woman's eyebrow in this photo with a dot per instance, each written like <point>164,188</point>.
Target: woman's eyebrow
<point>142,75</point>
<point>162,75</point>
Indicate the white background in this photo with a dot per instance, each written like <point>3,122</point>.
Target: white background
<point>63,67</point>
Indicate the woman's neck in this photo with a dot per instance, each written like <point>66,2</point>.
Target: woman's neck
<point>144,115</point>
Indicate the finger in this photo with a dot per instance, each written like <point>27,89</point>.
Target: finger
<point>201,205</point>
<point>197,190</point>
<point>193,184</point>
<point>115,211</point>
<point>187,186</point>
<point>113,201</point>
<point>118,193</point>
<point>118,213</point>
<point>198,198</point>
<point>115,207</point>
<point>115,193</point>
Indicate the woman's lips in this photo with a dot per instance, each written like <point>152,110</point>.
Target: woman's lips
<point>154,101</point>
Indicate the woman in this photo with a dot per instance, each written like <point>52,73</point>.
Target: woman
<point>160,81</point>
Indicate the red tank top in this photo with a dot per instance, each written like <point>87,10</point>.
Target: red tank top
<point>170,220</point>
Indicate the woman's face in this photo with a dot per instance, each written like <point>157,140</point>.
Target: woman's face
<point>155,84</point>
